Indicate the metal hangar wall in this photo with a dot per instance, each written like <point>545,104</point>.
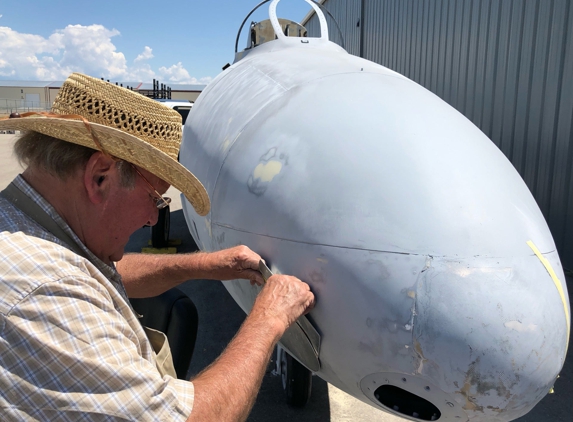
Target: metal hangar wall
<point>505,64</point>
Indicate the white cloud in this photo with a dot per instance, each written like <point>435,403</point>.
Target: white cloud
<point>175,73</point>
<point>178,74</point>
<point>74,48</point>
<point>77,48</point>
<point>205,80</point>
<point>146,55</point>
<point>89,48</point>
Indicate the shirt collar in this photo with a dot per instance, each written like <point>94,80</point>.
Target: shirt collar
<point>108,271</point>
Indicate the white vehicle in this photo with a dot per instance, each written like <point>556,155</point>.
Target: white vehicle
<point>160,231</point>
<point>183,107</point>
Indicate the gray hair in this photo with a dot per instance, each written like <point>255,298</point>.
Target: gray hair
<point>60,158</point>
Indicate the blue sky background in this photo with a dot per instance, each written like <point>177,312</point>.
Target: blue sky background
<point>183,41</point>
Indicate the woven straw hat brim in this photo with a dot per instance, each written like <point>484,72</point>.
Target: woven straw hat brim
<point>121,145</point>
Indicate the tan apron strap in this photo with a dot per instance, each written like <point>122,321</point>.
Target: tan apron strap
<point>160,344</point>
<point>158,340</point>
<point>23,202</point>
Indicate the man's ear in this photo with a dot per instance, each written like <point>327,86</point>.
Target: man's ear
<point>97,174</point>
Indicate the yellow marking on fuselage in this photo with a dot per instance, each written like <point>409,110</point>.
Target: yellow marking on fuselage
<point>557,282</point>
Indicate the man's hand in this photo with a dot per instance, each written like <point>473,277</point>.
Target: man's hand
<point>146,275</point>
<point>243,363</point>
<point>284,298</point>
<point>238,262</point>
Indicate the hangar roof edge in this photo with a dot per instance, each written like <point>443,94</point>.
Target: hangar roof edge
<point>58,84</point>
<point>31,84</point>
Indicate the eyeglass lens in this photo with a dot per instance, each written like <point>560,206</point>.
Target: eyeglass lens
<point>161,201</point>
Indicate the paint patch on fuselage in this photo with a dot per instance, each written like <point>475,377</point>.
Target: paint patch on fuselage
<point>421,358</point>
<point>266,172</point>
<point>225,145</point>
<point>520,327</point>
<point>208,225</point>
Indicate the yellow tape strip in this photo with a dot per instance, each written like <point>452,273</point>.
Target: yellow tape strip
<point>558,284</point>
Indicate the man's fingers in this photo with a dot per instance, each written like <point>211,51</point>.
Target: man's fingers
<point>254,276</point>
<point>311,298</point>
<point>287,297</point>
<point>246,258</point>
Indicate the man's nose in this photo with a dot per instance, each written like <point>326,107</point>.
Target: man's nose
<point>153,218</point>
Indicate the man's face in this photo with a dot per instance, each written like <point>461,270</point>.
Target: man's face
<point>129,209</point>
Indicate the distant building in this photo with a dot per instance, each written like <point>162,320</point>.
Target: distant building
<point>22,96</point>
<point>19,96</point>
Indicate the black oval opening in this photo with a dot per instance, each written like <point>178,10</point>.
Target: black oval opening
<point>406,403</point>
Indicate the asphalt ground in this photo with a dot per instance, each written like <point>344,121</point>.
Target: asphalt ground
<point>220,318</point>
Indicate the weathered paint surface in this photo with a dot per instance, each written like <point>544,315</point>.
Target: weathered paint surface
<point>411,227</point>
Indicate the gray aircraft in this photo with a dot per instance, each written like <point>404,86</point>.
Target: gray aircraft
<point>440,293</point>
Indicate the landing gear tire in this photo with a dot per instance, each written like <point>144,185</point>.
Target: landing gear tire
<point>160,232</point>
<point>296,379</point>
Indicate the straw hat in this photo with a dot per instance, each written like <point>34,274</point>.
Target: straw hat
<point>121,123</point>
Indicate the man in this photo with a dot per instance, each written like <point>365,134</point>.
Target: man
<point>71,347</point>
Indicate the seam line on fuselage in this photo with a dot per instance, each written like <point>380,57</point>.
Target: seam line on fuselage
<point>348,247</point>
<point>309,243</point>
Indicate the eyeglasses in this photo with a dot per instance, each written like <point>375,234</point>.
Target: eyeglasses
<point>160,201</point>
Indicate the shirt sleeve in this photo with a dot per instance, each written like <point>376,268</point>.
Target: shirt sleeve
<point>67,351</point>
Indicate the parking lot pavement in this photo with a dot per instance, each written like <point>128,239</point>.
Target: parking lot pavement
<point>220,317</point>
<point>9,167</point>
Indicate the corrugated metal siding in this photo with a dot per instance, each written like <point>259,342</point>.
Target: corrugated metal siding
<point>347,14</point>
<point>506,64</point>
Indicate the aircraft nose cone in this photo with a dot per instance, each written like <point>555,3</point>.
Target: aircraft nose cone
<point>500,328</point>
<point>478,338</point>
<point>410,225</point>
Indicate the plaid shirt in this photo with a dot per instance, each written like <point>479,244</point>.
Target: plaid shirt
<point>71,347</point>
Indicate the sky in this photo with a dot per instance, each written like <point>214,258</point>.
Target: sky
<point>175,41</point>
